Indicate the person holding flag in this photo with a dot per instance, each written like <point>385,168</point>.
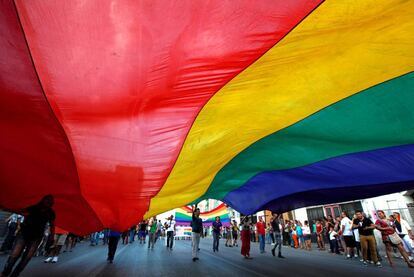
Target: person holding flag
<point>197,232</point>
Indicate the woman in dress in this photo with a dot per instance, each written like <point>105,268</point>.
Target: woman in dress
<point>245,238</point>
<point>390,238</point>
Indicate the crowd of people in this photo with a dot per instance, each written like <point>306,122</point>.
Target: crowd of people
<point>354,238</point>
<point>32,232</point>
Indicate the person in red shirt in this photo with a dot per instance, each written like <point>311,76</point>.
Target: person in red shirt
<point>261,231</point>
<point>319,231</point>
<point>387,231</point>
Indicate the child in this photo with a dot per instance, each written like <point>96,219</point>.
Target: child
<point>334,243</point>
<point>124,237</point>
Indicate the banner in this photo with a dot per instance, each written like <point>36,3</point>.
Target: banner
<point>183,216</point>
<point>183,231</point>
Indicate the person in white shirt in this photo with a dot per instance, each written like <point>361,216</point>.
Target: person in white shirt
<point>403,229</point>
<point>307,235</point>
<point>334,242</point>
<point>13,226</point>
<point>170,232</point>
<point>347,234</point>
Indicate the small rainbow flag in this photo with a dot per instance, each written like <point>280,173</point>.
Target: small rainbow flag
<point>183,216</point>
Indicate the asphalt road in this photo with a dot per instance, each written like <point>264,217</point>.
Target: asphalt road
<point>136,260</point>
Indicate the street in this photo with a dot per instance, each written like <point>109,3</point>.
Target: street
<point>136,260</point>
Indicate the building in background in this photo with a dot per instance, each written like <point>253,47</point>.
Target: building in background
<point>208,205</point>
<point>402,202</point>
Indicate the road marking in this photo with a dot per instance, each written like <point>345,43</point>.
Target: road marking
<point>231,263</point>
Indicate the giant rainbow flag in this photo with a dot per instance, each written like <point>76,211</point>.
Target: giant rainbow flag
<point>183,216</point>
<point>126,109</point>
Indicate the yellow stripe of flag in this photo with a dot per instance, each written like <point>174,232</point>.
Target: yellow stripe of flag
<point>341,48</point>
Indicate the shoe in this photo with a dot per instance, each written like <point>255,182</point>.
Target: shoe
<point>55,259</point>
<point>197,258</point>
<point>361,260</point>
<point>111,261</point>
<point>280,256</point>
<point>355,256</point>
<point>365,263</point>
<point>371,262</point>
<point>48,260</point>
<point>214,250</point>
<point>348,256</point>
<point>378,264</point>
<point>273,252</point>
<point>194,259</point>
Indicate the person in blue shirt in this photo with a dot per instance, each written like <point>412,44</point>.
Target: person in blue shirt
<point>113,239</point>
<point>197,232</point>
<point>216,233</point>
